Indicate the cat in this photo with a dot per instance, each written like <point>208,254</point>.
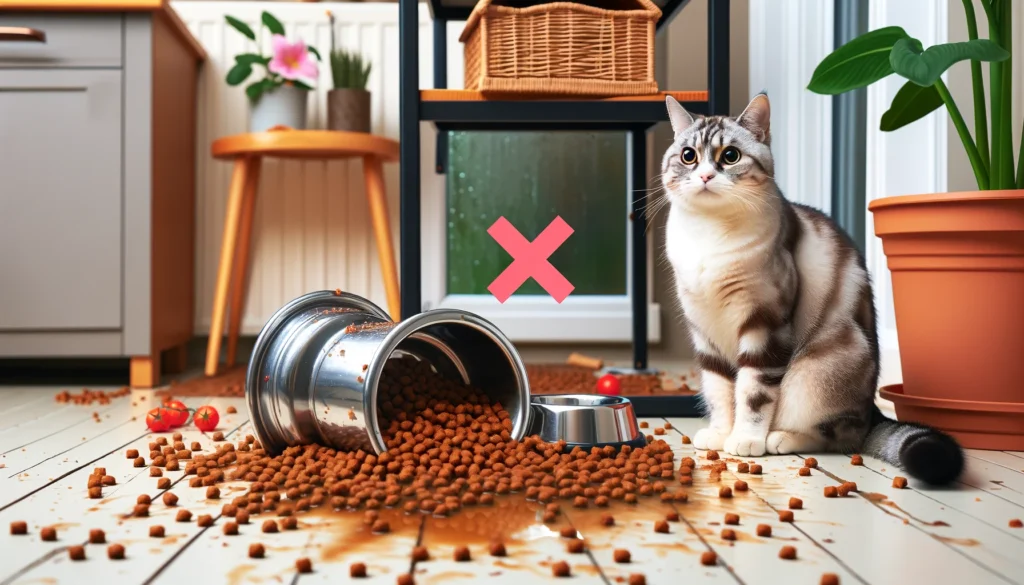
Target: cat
<point>779,307</point>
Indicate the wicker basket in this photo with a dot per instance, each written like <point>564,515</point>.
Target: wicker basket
<point>603,48</point>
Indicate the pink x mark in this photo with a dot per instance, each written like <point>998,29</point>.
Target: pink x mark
<point>530,259</point>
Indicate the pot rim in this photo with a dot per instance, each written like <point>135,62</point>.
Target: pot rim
<point>955,197</point>
<point>895,394</point>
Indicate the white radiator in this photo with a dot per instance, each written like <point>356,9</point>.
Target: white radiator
<point>311,230</point>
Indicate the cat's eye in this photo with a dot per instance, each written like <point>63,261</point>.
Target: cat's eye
<point>688,156</point>
<point>730,156</point>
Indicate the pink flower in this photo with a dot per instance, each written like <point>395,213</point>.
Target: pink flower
<point>291,60</point>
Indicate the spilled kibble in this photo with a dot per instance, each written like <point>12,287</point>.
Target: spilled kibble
<point>810,462</point>
<point>567,532</point>
<point>829,579</point>
<point>740,485</point>
<point>856,460</point>
<point>846,488</point>
<point>183,516</point>
<point>1016,523</point>
<point>420,554</point>
<point>621,555</point>
<point>742,467</point>
<point>497,549</point>
<point>231,529</point>
<point>899,482</point>
<point>560,569</point>
<point>728,534</point>
<point>461,554</point>
<point>575,546</point>
<point>97,536</point>
<point>170,499</point>
<point>708,558</point>
<point>19,527</point>
<point>76,552</point>
<point>48,534</point>
<point>637,579</point>
<point>796,504</point>
<point>115,552</point>
<point>831,491</point>
<point>788,553</point>
<point>685,440</point>
<point>786,516</point>
<point>661,526</point>
<point>156,531</point>
<point>764,530</point>
<point>304,565</point>
<point>755,469</point>
<point>607,520</point>
<point>712,455</point>
<point>204,521</point>
<point>269,526</point>
<point>724,492</point>
<point>357,570</point>
<point>732,519</point>
<point>804,471</point>
<point>256,551</point>
<point>131,453</point>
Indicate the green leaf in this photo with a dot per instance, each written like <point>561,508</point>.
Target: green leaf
<point>301,85</point>
<point>858,63</point>
<point>912,102</point>
<point>256,89</point>
<point>314,52</point>
<point>241,27</point>
<point>273,25</point>
<point>923,67</point>
<point>239,73</point>
<point>251,59</point>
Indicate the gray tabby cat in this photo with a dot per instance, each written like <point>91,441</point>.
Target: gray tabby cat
<point>779,307</point>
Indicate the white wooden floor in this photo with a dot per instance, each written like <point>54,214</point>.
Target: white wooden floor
<point>880,535</point>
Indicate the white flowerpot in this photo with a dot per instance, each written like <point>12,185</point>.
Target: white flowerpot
<point>284,106</point>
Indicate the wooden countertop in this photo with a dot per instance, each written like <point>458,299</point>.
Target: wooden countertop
<point>161,7</point>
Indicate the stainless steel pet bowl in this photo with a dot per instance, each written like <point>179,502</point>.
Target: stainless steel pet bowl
<point>585,420</point>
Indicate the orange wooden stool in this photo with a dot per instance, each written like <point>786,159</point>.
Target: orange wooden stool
<point>248,150</point>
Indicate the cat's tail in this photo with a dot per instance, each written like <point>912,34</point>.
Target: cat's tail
<point>923,452</point>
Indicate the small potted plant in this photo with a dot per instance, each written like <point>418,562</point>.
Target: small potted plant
<point>279,97</point>
<point>348,104</point>
<point>957,259</point>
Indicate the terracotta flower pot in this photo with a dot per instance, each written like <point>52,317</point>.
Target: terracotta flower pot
<point>957,262</point>
<point>348,110</point>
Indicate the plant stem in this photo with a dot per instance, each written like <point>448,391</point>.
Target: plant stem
<point>965,135</point>
<point>1020,160</point>
<point>1007,181</point>
<point>980,115</point>
<point>993,12</point>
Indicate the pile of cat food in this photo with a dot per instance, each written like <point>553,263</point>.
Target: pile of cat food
<point>86,396</point>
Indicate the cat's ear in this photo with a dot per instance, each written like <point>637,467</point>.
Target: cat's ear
<point>677,115</point>
<point>756,118</point>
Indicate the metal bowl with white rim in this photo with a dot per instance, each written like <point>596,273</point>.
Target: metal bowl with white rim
<point>585,420</point>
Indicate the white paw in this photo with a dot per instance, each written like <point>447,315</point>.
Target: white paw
<point>781,442</point>
<point>709,439</point>
<point>745,444</point>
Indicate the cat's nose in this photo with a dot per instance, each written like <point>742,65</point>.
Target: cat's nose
<point>707,176</point>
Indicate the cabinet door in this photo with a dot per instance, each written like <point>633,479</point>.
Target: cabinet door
<point>60,199</point>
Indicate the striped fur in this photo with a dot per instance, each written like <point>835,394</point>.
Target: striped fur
<point>779,306</point>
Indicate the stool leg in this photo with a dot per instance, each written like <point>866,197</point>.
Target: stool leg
<point>377,198</point>
<point>144,371</point>
<point>239,284</point>
<point>227,254</point>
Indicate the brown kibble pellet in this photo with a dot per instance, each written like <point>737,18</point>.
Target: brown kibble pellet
<point>461,554</point>
<point>644,424</point>
<point>755,469</point>
<point>830,579</point>
<point>108,480</point>
<point>155,472</point>
<point>19,527</point>
<point>115,552</point>
<point>899,482</point>
<point>847,487</point>
<point>728,534</point>
<point>810,462</point>
<point>661,526</point>
<point>196,446</point>
<point>231,529</point>
<point>497,549</point>
<point>141,510</point>
<point>420,554</point>
<point>786,516</point>
<point>659,431</point>
<point>144,499</point>
<point>685,440</point>
<point>672,517</point>
<point>856,460</point>
<point>637,579</point>
<point>101,471</point>
<point>156,531</point>
<point>740,485</point>
<point>131,453</point>
<point>304,565</point>
<point>242,517</point>
<point>231,410</point>
<point>764,530</point>
<point>607,520</point>
<point>788,553</point>
<point>742,467</point>
<point>256,551</point>
<point>575,546</point>
<point>170,499</point>
<point>708,558</point>
<point>725,492</point>
<point>568,532</point>
<point>290,523</point>
<point>381,527</point>
<point>830,491</point>
<point>163,483</point>
<point>621,555</point>
<point>94,481</point>
<point>213,493</point>
<point>183,516</point>
<point>1016,523</point>
<point>560,569</point>
<point>95,493</point>
<point>357,570</point>
<point>76,552</point>
<point>712,455</point>
<point>579,502</point>
<point>218,436</point>
<point>139,462</point>
<point>269,526</point>
<point>732,519</point>
<point>97,536</point>
<point>796,504</point>
<point>406,579</point>
<point>204,521</point>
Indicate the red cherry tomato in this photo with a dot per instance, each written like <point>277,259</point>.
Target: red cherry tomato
<point>608,385</point>
<point>156,420</point>
<point>206,418</point>
<point>177,413</point>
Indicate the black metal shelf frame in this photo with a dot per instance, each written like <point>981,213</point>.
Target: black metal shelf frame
<point>633,117</point>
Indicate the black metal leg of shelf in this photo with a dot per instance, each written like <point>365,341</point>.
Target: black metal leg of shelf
<point>637,167</point>
<point>718,57</point>
<point>441,82</point>
<point>409,134</point>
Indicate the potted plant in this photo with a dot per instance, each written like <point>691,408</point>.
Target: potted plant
<point>348,104</point>
<point>957,259</point>
<point>279,97</point>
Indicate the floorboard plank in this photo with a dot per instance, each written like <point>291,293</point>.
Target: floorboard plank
<point>994,479</point>
<point>1000,458</point>
<point>17,403</point>
<point>63,427</point>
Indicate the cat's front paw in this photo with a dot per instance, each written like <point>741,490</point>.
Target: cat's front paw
<point>784,442</point>
<point>709,439</point>
<point>745,444</point>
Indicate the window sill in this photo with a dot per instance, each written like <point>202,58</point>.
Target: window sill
<point>539,318</point>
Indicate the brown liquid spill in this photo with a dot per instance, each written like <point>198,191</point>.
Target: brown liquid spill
<point>63,525</point>
<point>444,577</point>
<point>238,574</point>
<point>668,547</point>
<point>354,535</point>
<point>957,541</point>
<point>510,519</point>
<point>883,500</point>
